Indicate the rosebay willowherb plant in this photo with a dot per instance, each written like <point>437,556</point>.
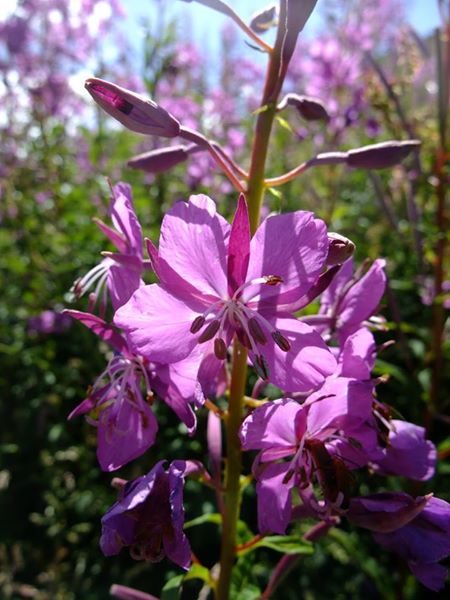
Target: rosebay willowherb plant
<point>233,304</point>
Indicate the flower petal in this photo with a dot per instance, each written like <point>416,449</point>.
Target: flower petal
<point>271,425</point>
<point>293,246</point>
<point>193,242</point>
<point>305,365</point>
<point>105,331</point>
<point>239,247</point>
<point>158,324</point>
<point>274,499</point>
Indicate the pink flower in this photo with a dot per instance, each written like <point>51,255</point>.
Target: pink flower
<point>216,283</point>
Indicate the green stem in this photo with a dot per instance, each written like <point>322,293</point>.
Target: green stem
<point>254,196</point>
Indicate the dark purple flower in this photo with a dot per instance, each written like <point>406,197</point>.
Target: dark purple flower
<point>149,516</point>
<point>418,530</point>
<point>408,453</point>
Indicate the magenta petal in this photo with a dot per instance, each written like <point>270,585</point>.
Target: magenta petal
<point>274,499</point>
<point>158,324</point>
<point>305,365</point>
<point>124,218</point>
<point>363,298</point>
<point>238,247</point>
<point>409,454</point>
<point>124,436</point>
<point>358,355</point>
<point>292,246</point>
<point>272,424</point>
<point>112,235</point>
<point>342,277</point>
<point>431,575</point>
<point>339,404</point>
<point>104,330</point>
<point>193,243</point>
<point>122,282</point>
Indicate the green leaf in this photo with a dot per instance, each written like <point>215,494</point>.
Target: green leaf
<point>172,589</point>
<point>385,368</point>
<point>286,544</point>
<point>200,572</point>
<point>208,518</point>
<point>284,124</point>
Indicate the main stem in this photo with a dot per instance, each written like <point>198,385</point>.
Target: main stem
<point>254,196</point>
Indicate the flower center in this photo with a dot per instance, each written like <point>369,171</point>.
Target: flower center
<point>224,318</point>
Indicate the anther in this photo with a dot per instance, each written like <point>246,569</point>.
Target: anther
<point>281,341</point>
<point>220,349</point>
<point>197,324</point>
<point>272,279</point>
<point>256,331</point>
<point>261,367</point>
<point>210,331</point>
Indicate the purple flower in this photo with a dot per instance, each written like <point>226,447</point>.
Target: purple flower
<point>408,453</point>
<point>126,425</point>
<point>49,321</point>
<point>120,271</point>
<point>215,283</point>
<point>418,530</point>
<point>305,434</point>
<point>149,517</point>
<point>351,299</point>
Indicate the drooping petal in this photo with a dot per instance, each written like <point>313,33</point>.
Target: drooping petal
<point>305,365</point>
<point>108,333</point>
<point>274,499</point>
<point>292,246</point>
<point>158,324</point>
<point>408,454</point>
<point>431,575</point>
<point>239,247</point>
<point>193,243</point>
<point>126,435</point>
<point>271,425</point>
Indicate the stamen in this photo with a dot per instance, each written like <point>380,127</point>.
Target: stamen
<point>220,349</point>
<point>210,331</point>
<point>281,341</point>
<point>256,331</point>
<point>266,279</point>
<point>261,367</point>
<point>197,324</point>
<point>273,279</point>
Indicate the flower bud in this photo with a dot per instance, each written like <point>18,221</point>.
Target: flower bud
<point>126,593</point>
<point>311,109</point>
<point>264,19</point>
<point>340,249</point>
<point>382,155</point>
<point>159,160</point>
<point>137,113</point>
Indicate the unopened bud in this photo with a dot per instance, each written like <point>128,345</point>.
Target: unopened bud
<point>340,249</point>
<point>122,592</point>
<point>311,109</point>
<point>264,19</point>
<point>159,160</point>
<point>137,113</point>
<point>382,155</point>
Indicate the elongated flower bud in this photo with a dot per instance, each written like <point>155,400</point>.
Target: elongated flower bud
<point>137,113</point>
<point>382,155</point>
<point>126,593</point>
<point>311,109</point>
<point>340,249</point>
<point>159,160</point>
<point>264,19</point>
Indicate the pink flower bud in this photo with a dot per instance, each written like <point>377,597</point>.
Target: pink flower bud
<point>382,155</point>
<point>340,249</point>
<point>159,160</point>
<point>264,19</point>
<point>311,109</point>
<point>124,592</point>
<point>137,113</point>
